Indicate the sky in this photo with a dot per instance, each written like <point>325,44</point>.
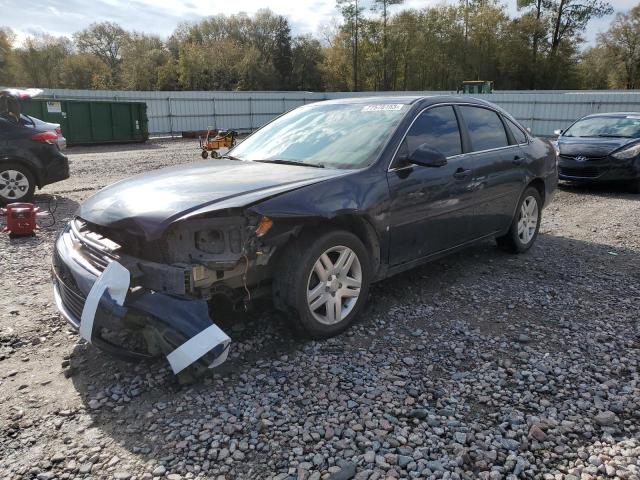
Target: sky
<point>63,17</point>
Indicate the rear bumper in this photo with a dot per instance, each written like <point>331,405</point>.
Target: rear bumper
<point>171,321</point>
<point>56,168</point>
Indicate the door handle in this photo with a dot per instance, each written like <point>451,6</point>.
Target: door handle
<point>462,173</point>
<point>517,160</point>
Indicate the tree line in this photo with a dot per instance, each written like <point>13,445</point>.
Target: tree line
<point>373,45</point>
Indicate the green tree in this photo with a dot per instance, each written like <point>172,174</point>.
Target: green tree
<point>106,41</point>
<point>622,45</point>
<point>40,60</point>
<point>7,62</point>
<point>83,71</point>
<point>306,63</point>
<point>351,11</point>
<point>383,7</point>
<point>142,57</point>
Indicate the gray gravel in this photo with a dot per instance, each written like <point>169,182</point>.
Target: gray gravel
<point>482,365</point>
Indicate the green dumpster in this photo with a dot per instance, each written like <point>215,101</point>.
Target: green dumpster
<point>92,122</point>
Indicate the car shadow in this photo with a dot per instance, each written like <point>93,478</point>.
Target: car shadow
<point>116,394</point>
<point>599,189</point>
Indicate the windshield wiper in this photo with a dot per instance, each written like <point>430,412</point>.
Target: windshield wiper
<point>293,162</point>
<point>605,135</point>
<point>231,157</point>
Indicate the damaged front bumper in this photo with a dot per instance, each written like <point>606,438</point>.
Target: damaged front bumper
<point>97,290</point>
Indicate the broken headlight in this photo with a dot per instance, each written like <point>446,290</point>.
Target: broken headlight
<point>216,241</point>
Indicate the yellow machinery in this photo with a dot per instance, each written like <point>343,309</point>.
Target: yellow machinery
<point>477,86</point>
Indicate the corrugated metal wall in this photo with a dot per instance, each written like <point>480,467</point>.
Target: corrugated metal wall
<point>174,112</point>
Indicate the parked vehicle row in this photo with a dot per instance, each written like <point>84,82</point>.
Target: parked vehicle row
<point>311,209</point>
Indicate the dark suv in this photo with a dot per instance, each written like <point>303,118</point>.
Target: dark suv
<point>29,158</point>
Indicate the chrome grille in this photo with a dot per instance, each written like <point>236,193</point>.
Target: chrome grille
<point>96,249</point>
<point>70,294</point>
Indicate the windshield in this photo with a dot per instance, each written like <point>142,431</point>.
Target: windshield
<point>328,135</point>
<point>615,127</point>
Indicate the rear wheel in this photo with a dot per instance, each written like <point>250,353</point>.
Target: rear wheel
<point>16,183</point>
<point>323,282</point>
<point>526,224</point>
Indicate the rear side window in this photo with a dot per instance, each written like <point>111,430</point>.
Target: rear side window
<point>438,128</point>
<point>518,134</point>
<point>486,130</point>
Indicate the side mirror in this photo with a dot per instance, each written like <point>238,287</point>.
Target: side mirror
<point>558,132</point>
<point>427,157</point>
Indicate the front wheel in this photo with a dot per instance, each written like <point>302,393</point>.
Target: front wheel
<point>323,282</point>
<point>526,224</point>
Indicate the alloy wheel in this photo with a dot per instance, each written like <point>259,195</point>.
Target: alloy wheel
<point>334,285</point>
<point>528,220</point>
<point>13,184</point>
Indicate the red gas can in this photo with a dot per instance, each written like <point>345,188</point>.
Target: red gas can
<point>21,219</point>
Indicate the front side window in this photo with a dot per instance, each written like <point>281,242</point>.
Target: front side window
<point>486,130</point>
<point>334,135</point>
<point>438,128</point>
<point>518,134</point>
<point>614,127</point>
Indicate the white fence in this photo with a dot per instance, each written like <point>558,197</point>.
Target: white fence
<point>171,113</point>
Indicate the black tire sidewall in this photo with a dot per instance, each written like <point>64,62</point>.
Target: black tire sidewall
<point>27,197</point>
<point>301,276</point>
<point>519,245</point>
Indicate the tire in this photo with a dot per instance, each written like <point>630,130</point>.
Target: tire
<point>635,186</point>
<point>312,261</point>
<point>204,154</point>
<point>17,183</point>
<point>522,232</point>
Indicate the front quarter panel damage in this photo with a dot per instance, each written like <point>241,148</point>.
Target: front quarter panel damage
<point>362,195</point>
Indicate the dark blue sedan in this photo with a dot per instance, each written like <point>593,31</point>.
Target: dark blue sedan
<point>603,148</point>
<point>310,209</point>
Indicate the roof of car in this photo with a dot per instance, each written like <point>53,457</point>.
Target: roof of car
<point>406,100</point>
<point>613,114</point>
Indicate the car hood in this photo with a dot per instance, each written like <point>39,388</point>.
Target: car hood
<point>591,146</point>
<point>148,203</point>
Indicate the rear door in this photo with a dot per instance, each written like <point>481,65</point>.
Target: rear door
<point>431,207</point>
<point>9,130</point>
<point>497,163</point>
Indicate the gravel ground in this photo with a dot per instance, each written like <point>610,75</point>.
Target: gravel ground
<point>482,365</point>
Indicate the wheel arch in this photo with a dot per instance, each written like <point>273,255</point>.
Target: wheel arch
<point>539,185</point>
<point>35,172</point>
<point>350,222</point>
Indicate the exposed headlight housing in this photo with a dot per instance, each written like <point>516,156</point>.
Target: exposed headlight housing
<point>628,152</point>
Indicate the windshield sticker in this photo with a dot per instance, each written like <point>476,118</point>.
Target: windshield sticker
<point>382,107</point>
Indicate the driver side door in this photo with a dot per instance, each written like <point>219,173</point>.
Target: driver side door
<point>431,208</point>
